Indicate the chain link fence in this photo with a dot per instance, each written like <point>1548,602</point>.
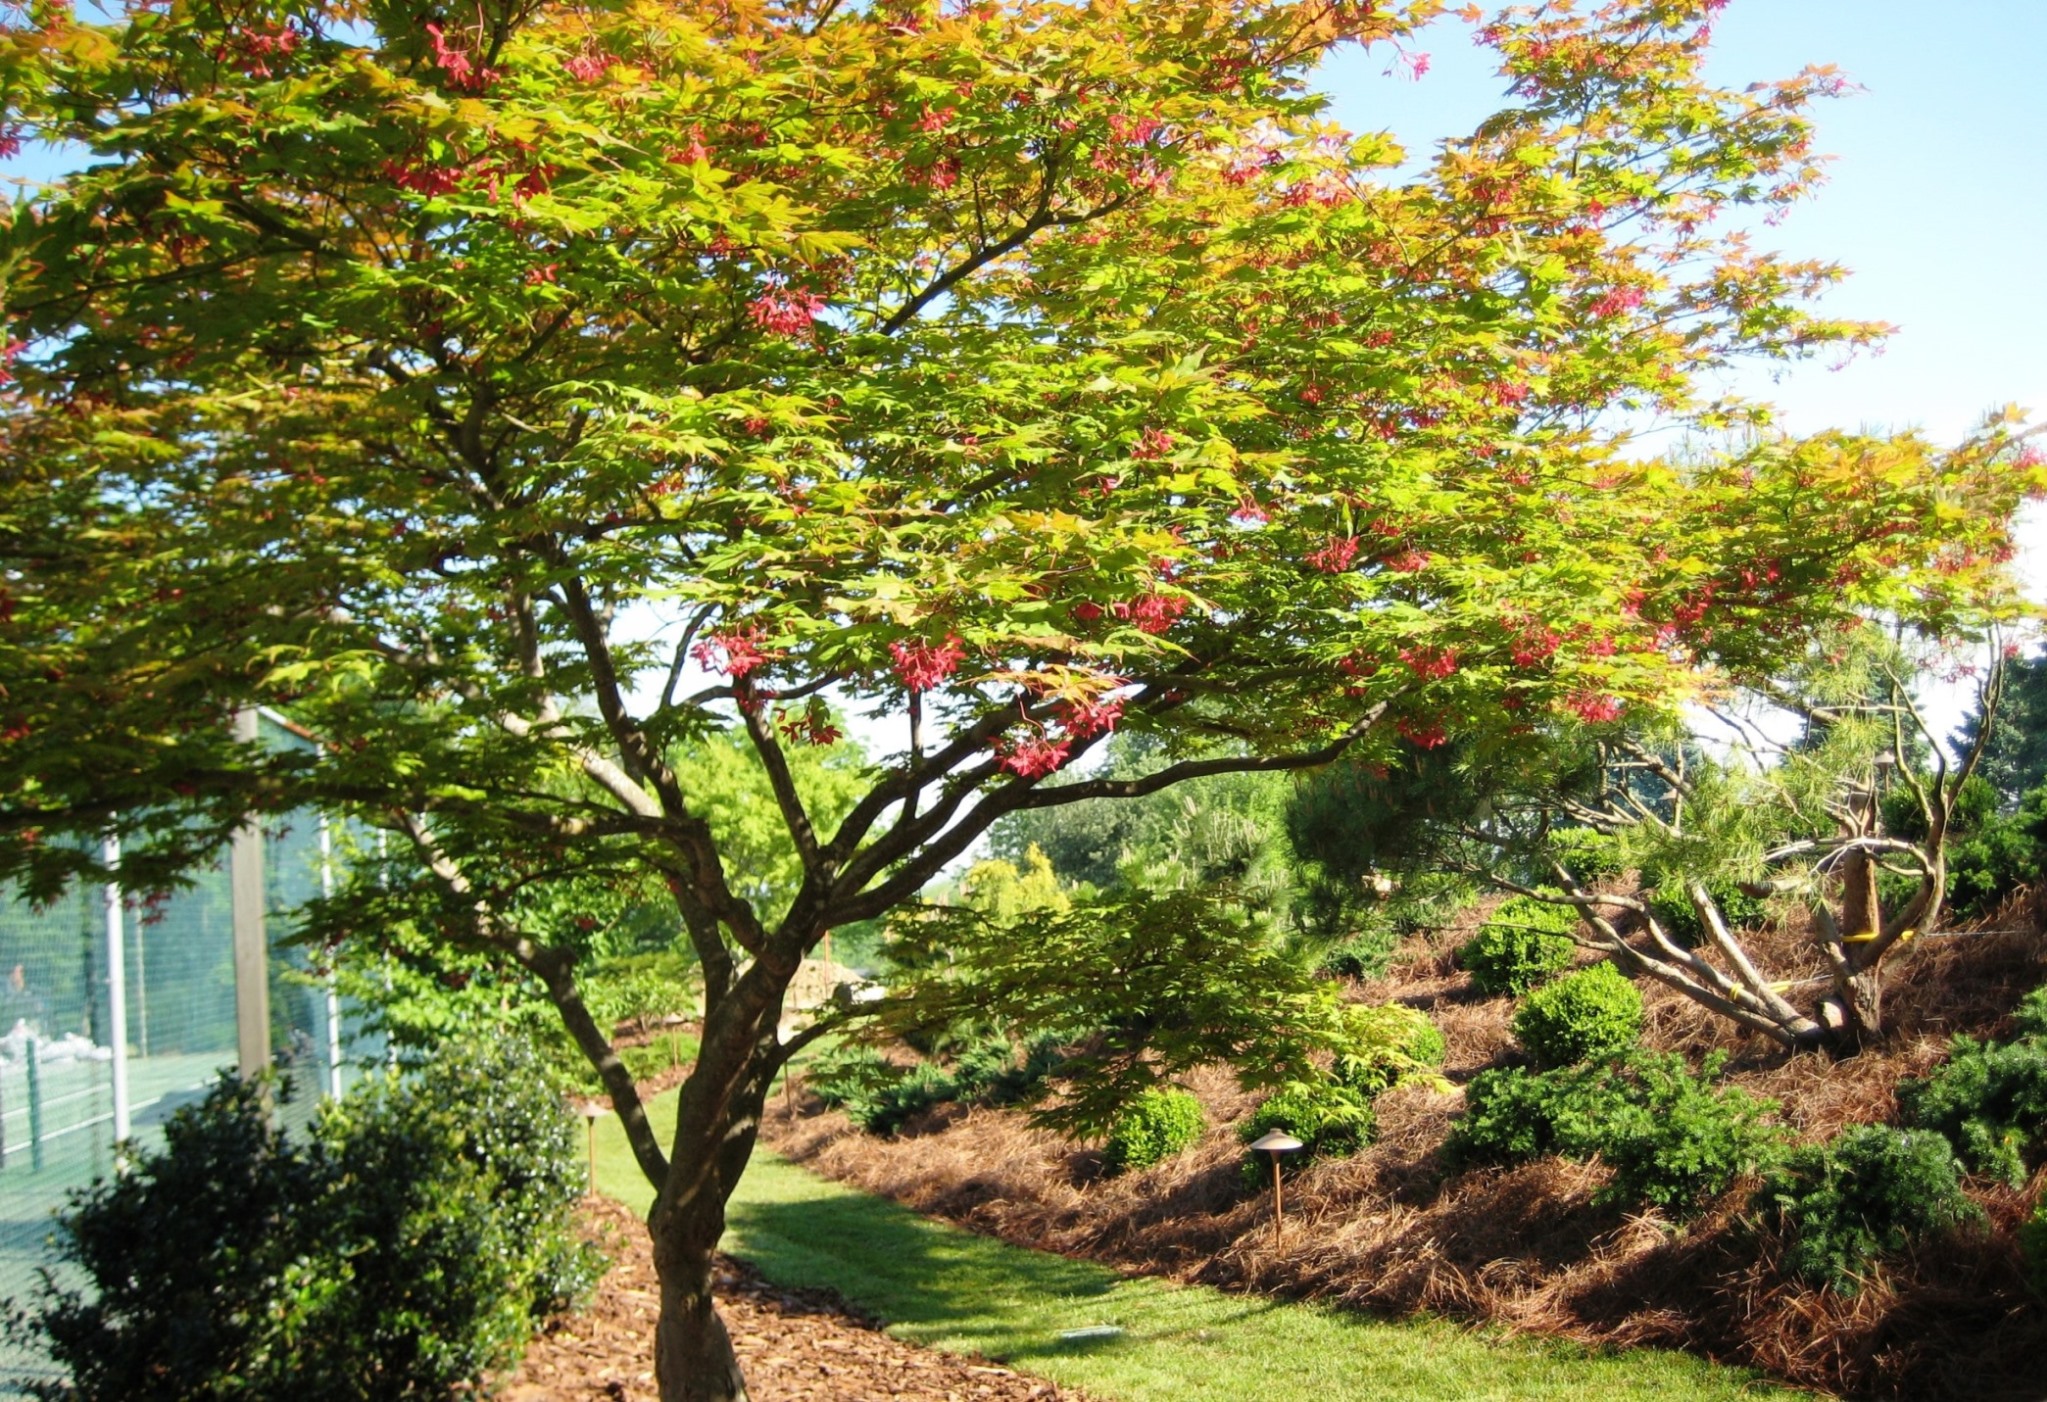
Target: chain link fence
<point>68,1077</point>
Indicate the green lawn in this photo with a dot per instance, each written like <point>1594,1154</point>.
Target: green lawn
<point>937,1285</point>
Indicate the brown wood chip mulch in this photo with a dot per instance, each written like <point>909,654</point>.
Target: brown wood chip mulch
<point>794,1345</point>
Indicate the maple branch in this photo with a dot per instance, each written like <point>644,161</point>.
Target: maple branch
<point>554,967</point>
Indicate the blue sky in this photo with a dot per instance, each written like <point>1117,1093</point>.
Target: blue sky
<point>1935,201</point>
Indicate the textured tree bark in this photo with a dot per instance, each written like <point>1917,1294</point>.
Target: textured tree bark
<point>693,1357</point>
<point>716,1122</point>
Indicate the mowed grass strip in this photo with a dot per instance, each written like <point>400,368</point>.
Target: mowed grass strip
<point>950,1289</point>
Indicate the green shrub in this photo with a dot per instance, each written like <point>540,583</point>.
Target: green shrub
<point>1593,1013</point>
<point>1391,1043</point>
<point>1364,953</point>
<point>1990,1101</point>
<point>2033,1249</point>
<point>1330,1120</point>
<point>899,1100</point>
<point>1672,906</point>
<point>643,989</point>
<point>1588,854</point>
<point>881,1097</point>
<point>1156,1126</point>
<point>849,1077</point>
<point>403,1250</point>
<point>1989,854</point>
<point>2029,1018</point>
<point>1673,1138</point>
<point>1522,943</point>
<point>1871,1191</point>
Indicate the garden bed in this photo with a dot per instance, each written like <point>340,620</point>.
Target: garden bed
<point>1390,1230</point>
<point>795,1345</point>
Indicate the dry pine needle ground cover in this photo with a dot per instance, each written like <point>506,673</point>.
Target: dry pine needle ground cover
<point>1388,1230</point>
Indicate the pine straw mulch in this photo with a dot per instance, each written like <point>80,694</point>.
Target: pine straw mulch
<point>793,1345</point>
<point>1391,1231</point>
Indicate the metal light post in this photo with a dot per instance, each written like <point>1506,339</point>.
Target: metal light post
<point>591,1111</point>
<point>1276,1144</point>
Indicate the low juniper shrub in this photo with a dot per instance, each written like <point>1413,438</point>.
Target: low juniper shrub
<point>1593,1013</point>
<point>2033,1249</point>
<point>1869,1192</point>
<point>849,1078</point>
<point>2029,1018</point>
<point>405,1247</point>
<point>1156,1126</point>
<point>903,1098</point>
<point>989,1069</point>
<point>1674,1138</point>
<point>1522,943</point>
<point>1361,954</point>
<point>1991,1103</point>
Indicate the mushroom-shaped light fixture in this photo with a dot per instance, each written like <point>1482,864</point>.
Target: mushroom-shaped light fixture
<point>1277,1143</point>
<point>591,1111</point>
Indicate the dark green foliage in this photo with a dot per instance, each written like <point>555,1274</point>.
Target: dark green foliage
<point>1588,854</point>
<point>406,1248</point>
<point>1165,983</point>
<point>188,1254</point>
<point>1990,854</point>
<point>1991,1103</point>
<point>1363,954</point>
<point>900,1100</point>
<point>2015,757</point>
<point>2033,1249</point>
<point>848,1076</point>
<point>1156,1126</point>
<point>1673,1138</point>
<point>1872,1190</point>
<point>445,1224</point>
<point>1333,1121</point>
<point>1989,863</point>
<point>881,1097</point>
<point>1590,1014</point>
<point>1392,1044</point>
<point>1521,944</point>
<point>2029,1018</point>
<point>1672,906</point>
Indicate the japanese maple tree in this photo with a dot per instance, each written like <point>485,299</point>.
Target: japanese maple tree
<point>1016,370</point>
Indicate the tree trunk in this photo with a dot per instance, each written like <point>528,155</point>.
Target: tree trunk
<point>693,1357</point>
<point>717,1119</point>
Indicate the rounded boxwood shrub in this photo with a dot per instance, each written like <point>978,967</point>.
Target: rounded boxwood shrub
<point>1672,906</point>
<point>1588,854</point>
<point>1868,1192</point>
<point>1521,944</point>
<point>1593,1013</point>
<point>403,1248</point>
<point>1331,1120</point>
<point>1156,1126</point>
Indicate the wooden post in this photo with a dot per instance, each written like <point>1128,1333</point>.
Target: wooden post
<point>117,991</point>
<point>251,947</point>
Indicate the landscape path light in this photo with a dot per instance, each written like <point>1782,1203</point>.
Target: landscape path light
<point>591,1111</point>
<point>1277,1143</point>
